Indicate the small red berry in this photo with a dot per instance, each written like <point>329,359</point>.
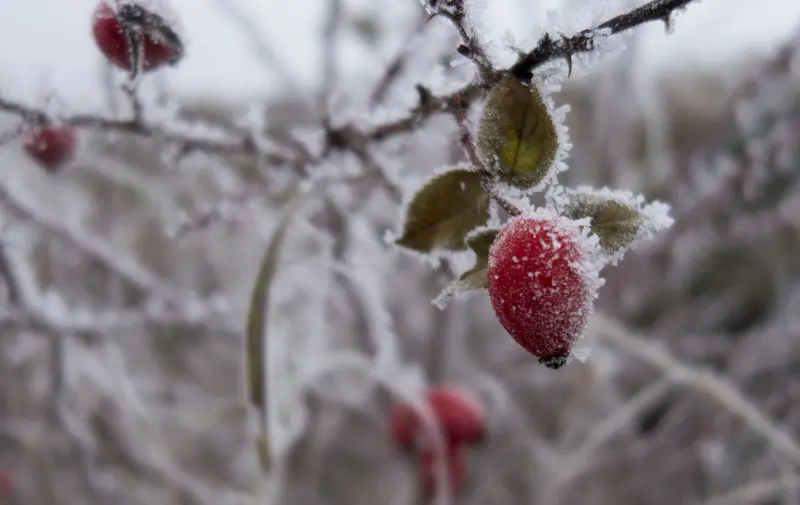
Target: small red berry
<point>51,146</point>
<point>114,30</point>
<point>540,286</point>
<point>461,417</point>
<point>428,462</point>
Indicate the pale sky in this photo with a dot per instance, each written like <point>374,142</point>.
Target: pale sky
<point>46,43</point>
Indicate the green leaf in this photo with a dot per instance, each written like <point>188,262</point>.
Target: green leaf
<point>257,321</point>
<point>615,223</point>
<point>444,211</point>
<point>475,278</point>
<point>517,138</point>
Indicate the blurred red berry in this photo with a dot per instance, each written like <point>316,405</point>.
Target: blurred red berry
<point>403,425</point>
<point>461,417</point>
<point>51,146</point>
<point>6,482</point>
<point>114,30</point>
<point>537,288</point>
<point>428,462</point>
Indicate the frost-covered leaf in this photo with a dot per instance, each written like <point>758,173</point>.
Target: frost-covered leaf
<point>618,218</point>
<point>517,139</point>
<point>258,317</point>
<point>444,211</point>
<point>480,241</point>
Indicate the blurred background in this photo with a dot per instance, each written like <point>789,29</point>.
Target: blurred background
<point>121,374</point>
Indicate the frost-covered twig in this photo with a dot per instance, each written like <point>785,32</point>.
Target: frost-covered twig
<point>395,67</point>
<point>330,52</point>
<point>550,48</point>
<point>227,146</point>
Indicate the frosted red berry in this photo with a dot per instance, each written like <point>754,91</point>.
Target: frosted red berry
<point>51,146</point>
<point>160,44</point>
<point>428,462</point>
<point>538,287</point>
<point>461,417</point>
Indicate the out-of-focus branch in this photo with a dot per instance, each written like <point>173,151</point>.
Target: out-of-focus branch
<point>395,67</point>
<point>226,146</point>
<point>702,381</point>
<point>759,491</point>
<point>546,50</point>
<point>254,35</point>
<point>330,53</point>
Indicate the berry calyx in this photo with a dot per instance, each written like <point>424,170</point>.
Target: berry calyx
<point>130,32</point>
<point>540,284</point>
<point>428,462</point>
<point>51,146</point>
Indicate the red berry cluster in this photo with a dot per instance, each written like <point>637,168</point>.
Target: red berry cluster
<point>538,287</point>
<point>462,421</point>
<point>130,37</point>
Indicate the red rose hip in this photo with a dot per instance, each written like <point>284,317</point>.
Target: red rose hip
<point>112,29</point>
<point>539,284</point>
<point>461,417</point>
<point>51,146</point>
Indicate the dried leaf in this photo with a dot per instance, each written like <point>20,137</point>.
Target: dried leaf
<point>444,211</point>
<point>517,139</point>
<point>258,317</point>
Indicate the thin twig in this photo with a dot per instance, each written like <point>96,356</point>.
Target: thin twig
<point>705,382</point>
<point>396,66</point>
<point>330,53</point>
<point>759,491</point>
<point>550,48</point>
<point>243,146</point>
<point>268,57</point>
<point>455,11</point>
<point>487,181</point>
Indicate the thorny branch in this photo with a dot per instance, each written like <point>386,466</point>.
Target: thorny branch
<point>549,49</point>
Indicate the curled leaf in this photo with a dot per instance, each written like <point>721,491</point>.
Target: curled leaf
<point>517,138</point>
<point>444,211</point>
<point>257,321</point>
<point>480,241</point>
